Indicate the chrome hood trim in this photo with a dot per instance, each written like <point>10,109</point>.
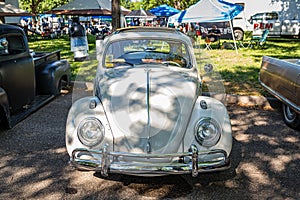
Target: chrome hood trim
<point>148,107</point>
<point>148,146</point>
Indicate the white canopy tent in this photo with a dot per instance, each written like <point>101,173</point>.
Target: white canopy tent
<point>7,9</point>
<point>86,8</point>
<point>209,11</point>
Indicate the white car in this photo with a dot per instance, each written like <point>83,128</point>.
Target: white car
<point>147,116</point>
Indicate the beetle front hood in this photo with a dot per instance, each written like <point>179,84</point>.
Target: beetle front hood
<point>148,107</point>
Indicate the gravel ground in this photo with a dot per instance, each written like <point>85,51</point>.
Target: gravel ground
<point>265,163</point>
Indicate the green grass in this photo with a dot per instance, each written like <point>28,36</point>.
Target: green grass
<point>81,71</point>
<point>236,73</point>
<point>240,71</point>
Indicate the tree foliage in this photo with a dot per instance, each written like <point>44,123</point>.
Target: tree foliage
<point>178,4</point>
<point>40,6</point>
<point>131,5</point>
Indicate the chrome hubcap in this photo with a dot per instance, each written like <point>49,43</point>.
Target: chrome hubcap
<point>289,113</point>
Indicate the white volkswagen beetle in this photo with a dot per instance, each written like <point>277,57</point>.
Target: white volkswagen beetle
<point>147,116</point>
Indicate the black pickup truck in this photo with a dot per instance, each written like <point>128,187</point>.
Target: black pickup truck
<point>28,80</point>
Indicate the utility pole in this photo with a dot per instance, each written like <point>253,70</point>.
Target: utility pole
<point>116,14</point>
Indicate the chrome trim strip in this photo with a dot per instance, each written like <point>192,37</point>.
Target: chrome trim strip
<point>281,98</point>
<point>105,162</point>
<point>194,151</point>
<point>148,147</point>
<point>197,162</point>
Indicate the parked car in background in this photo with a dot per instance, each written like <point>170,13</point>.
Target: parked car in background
<point>147,116</point>
<point>277,23</point>
<point>282,79</point>
<point>28,79</point>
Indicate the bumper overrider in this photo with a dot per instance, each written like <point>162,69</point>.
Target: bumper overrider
<point>188,162</point>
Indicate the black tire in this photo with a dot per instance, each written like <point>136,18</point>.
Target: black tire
<point>290,117</point>
<point>3,120</point>
<point>57,90</point>
<point>238,34</point>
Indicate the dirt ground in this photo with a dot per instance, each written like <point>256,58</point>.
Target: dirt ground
<point>265,163</point>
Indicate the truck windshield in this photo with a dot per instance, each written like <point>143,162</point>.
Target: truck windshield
<point>145,51</point>
<point>12,44</point>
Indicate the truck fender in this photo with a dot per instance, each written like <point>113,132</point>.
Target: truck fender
<point>52,76</point>
<point>4,107</point>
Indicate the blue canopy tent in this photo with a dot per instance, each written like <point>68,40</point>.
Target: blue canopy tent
<point>164,11</point>
<point>209,11</point>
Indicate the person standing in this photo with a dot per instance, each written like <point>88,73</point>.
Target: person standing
<point>192,34</point>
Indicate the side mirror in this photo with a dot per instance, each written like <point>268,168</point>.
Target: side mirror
<point>99,45</point>
<point>250,20</point>
<point>3,46</point>
<point>208,68</point>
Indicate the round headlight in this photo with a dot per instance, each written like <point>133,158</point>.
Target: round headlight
<point>90,132</point>
<point>207,132</point>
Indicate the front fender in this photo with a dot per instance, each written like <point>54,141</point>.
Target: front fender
<point>215,110</point>
<point>48,79</point>
<point>85,108</point>
<point>4,106</point>
<point>61,68</point>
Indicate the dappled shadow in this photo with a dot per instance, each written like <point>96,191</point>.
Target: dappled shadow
<point>270,153</point>
<point>265,163</point>
<point>33,156</point>
<point>242,80</point>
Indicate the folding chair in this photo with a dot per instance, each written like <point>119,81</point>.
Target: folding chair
<point>242,44</point>
<point>263,39</point>
<point>207,44</point>
<point>257,41</point>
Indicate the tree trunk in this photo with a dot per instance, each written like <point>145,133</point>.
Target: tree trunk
<point>116,14</point>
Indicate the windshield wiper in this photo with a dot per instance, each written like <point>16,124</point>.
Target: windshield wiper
<point>124,62</point>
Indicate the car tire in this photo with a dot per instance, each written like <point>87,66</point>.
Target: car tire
<point>238,34</point>
<point>290,117</point>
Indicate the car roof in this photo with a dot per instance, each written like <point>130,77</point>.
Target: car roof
<point>146,28</point>
<point>6,28</point>
<point>149,32</point>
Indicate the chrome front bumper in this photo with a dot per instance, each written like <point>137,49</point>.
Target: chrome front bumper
<point>188,162</point>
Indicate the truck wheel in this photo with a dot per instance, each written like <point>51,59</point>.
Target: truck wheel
<point>3,121</point>
<point>238,34</point>
<point>57,89</point>
<point>290,117</point>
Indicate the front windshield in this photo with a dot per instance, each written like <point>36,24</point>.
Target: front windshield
<point>145,51</point>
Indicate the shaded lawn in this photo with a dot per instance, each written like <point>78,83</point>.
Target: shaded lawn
<point>239,72</point>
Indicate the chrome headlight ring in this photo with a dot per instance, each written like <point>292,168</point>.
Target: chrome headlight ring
<point>207,132</point>
<point>90,132</point>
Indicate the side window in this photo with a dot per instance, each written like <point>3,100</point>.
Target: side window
<point>3,46</point>
<point>257,17</point>
<point>271,16</point>
<point>15,44</point>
